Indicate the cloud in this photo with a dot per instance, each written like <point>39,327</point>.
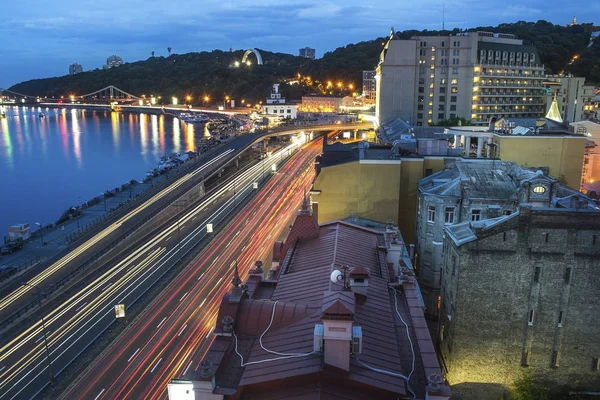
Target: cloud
<point>48,35</point>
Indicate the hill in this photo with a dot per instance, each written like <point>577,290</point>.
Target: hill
<point>210,73</point>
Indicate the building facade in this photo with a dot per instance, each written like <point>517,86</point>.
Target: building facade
<point>575,99</point>
<point>275,105</point>
<point>591,161</point>
<point>75,68</point>
<point>369,85</point>
<point>327,104</point>
<point>472,75</point>
<point>519,293</point>
<point>307,52</point>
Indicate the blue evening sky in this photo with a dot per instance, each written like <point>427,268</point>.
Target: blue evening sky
<point>40,38</point>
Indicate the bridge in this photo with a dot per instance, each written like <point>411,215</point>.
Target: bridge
<point>109,93</point>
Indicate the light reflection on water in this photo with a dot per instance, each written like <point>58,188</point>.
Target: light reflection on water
<point>47,163</point>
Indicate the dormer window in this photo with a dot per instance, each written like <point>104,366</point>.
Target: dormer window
<point>539,189</point>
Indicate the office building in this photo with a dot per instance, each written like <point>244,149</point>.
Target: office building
<point>113,61</point>
<point>519,294</point>
<point>328,104</point>
<point>275,105</point>
<point>575,99</point>
<point>307,52</point>
<point>369,85</point>
<point>75,68</point>
<point>339,316</point>
<point>472,75</point>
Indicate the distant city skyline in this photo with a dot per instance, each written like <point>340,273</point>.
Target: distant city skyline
<point>41,39</point>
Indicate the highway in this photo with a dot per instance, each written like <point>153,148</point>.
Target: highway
<point>172,335</point>
<point>75,324</point>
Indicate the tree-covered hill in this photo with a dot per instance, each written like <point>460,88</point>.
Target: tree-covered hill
<point>210,73</point>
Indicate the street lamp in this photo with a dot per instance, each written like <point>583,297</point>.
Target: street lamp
<point>206,98</point>
<point>41,232</point>
<point>39,296</point>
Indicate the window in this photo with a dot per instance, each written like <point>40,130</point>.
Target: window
<point>445,70</point>
<point>560,319</point>
<point>455,70</point>
<point>421,89</point>
<point>422,70</point>
<point>421,81</point>
<point>568,275</point>
<point>453,107</point>
<point>421,99</point>
<point>289,111</point>
<point>595,363</point>
<point>441,107</point>
<point>475,215</point>
<point>531,318</point>
<point>452,116</point>
<point>443,81</point>
<point>428,171</point>
<point>449,215</point>
<point>442,90</point>
<point>506,212</point>
<point>554,360</point>
<point>536,274</point>
<point>454,81</point>
<point>420,107</point>
<point>454,90</point>
<point>419,115</point>
<point>453,99</point>
<point>430,213</point>
<point>443,99</point>
<point>440,115</point>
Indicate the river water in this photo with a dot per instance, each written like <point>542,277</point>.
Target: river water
<point>69,156</point>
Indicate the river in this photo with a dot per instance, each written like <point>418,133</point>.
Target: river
<point>49,164</point>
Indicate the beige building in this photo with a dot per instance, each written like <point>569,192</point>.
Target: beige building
<point>325,104</point>
<point>591,162</point>
<point>575,98</point>
<point>472,75</point>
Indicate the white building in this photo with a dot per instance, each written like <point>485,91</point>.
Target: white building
<point>276,105</point>
<point>113,61</point>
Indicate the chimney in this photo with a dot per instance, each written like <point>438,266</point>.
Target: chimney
<point>395,251</point>
<point>359,281</point>
<point>315,211</point>
<point>304,228</point>
<point>202,388</point>
<point>337,314</point>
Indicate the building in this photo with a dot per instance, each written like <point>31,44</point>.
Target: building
<point>541,144</point>
<point>472,75</point>
<point>519,293</point>
<point>574,98</point>
<point>591,162</point>
<point>470,191</point>
<point>339,317</point>
<point>75,68</point>
<point>369,85</point>
<point>275,105</point>
<point>328,104</point>
<point>307,52</point>
<point>113,61</point>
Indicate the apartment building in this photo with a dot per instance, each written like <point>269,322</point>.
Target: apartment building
<point>472,75</point>
<point>574,98</point>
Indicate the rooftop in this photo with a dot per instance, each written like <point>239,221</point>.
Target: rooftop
<point>267,350</point>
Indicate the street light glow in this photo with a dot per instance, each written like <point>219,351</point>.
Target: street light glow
<point>174,101</point>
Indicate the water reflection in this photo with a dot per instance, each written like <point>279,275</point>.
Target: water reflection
<point>74,153</point>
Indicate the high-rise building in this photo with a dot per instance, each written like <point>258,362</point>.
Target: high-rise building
<point>307,52</point>
<point>573,97</point>
<point>113,61</point>
<point>369,85</point>
<point>472,75</point>
<point>75,68</point>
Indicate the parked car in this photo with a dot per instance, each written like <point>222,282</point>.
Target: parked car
<point>11,247</point>
<point>7,271</point>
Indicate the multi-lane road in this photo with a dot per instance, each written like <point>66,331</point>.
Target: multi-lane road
<point>171,336</point>
<point>74,324</point>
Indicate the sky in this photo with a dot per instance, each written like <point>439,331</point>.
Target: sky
<point>40,38</point>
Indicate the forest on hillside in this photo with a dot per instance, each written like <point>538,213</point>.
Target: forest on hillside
<point>339,71</point>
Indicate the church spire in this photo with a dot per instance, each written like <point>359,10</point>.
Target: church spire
<point>553,112</point>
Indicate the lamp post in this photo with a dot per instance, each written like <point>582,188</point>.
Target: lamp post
<point>39,296</point>
<point>41,232</point>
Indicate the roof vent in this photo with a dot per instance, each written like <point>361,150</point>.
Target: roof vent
<point>318,338</point>
<point>435,381</point>
<point>357,340</point>
<point>227,324</point>
<point>206,368</point>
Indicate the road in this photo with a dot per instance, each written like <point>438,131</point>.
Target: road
<point>172,335</point>
<point>79,320</point>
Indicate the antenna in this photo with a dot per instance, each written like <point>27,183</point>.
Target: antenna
<point>443,16</point>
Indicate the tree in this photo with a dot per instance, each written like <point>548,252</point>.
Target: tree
<point>152,53</point>
<point>169,50</point>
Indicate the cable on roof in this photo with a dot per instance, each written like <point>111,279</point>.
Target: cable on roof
<point>390,373</point>
<point>283,355</point>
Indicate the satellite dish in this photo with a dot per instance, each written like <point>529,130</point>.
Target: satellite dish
<point>336,276</point>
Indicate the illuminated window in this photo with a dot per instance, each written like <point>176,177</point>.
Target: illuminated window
<point>454,90</point>
<point>454,81</point>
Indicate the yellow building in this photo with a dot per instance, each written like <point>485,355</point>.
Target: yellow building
<point>550,146</point>
<point>373,187</point>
